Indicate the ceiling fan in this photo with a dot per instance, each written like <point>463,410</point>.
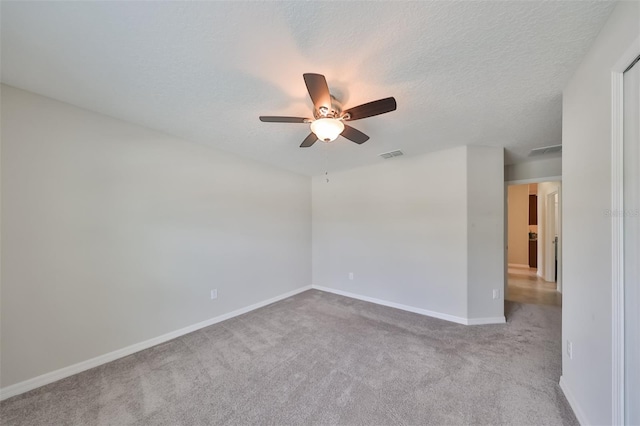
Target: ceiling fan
<point>329,119</point>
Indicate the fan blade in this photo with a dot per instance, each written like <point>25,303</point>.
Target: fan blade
<point>310,140</point>
<point>354,135</point>
<point>318,90</point>
<point>370,109</point>
<point>276,119</point>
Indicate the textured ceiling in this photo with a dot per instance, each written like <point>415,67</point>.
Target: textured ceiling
<point>488,73</point>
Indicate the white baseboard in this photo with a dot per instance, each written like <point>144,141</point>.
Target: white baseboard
<point>582,418</point>
<point>56,375</point>
<point>484,321</point>
<point>433,314</point>
<point>518,265</point>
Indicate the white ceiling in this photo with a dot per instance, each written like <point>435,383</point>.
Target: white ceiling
<point>488,73</point>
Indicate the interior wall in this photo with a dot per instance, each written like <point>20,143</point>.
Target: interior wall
<point>113,234</point>
<point>518,224</point>
<point>400,227</point>
<point>586,191</point>
<point>425,232</point>
<point>536,169</point>
<point>485,233</point>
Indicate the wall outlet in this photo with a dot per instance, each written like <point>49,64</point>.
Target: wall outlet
<point>214,294</point>
<point>351,276</point>
<point>496,293</point>
<point>569,349</point>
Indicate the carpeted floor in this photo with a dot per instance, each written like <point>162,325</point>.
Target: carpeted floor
<point>319,358</point>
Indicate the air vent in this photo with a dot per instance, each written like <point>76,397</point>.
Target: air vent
<point>391,154</point>
<point>546,150</point>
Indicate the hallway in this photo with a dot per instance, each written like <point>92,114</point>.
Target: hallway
<point>524,286</point>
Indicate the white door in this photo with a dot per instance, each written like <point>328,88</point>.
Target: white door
<point>551,226</point>
<point>631,215</point>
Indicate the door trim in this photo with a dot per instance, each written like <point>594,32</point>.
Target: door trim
<point>549,237</point>
<point>533,180</point>
<point>617,232</point>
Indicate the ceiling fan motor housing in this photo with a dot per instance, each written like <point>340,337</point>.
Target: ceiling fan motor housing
<point>334,112</point>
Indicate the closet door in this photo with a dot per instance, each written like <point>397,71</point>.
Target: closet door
<point>631,214</point>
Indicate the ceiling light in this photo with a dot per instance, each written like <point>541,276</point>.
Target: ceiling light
<point>327,129</point>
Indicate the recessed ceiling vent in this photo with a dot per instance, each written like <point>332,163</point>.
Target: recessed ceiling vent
<point>546,150</point>
<point>391,154</point>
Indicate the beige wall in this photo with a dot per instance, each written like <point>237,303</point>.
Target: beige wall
<point>518,230</point>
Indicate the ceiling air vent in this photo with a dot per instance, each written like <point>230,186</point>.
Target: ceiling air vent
<point>546,150</point>
<point>391,154</point>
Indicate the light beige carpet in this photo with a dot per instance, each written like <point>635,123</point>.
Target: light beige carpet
<point>318,358</point>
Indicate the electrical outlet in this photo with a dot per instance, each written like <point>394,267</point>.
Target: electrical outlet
<point>351,276</point>
<point>496,293</point>
<point>214,294</point>
<point>569,349</point>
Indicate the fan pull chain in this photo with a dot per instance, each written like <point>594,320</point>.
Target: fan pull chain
<point>326,162</point>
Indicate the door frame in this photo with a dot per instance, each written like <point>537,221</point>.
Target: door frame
<point>507,184</point>
<point>549,243</point>
<point>617,232</point>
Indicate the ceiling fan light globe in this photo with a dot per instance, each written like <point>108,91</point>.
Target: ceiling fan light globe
<point>327,129</point>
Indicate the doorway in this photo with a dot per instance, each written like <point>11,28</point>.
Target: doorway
<point>534,252</point>
<point>552,239</point>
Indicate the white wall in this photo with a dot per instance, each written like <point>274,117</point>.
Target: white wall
<point>518,224</point>
<point>536,169</point>
<point>485,231</point>
<point>586,190</point>
<point>400,226</point>
<point>412,233</point>
<point>113,234</point>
